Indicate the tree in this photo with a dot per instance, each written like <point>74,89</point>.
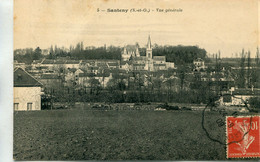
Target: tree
<point>248,70</point>
<point>94,86</point>
<point>241,75</point>
<point>182,70</point>
<point>37,53</point>
<point>51,55</point>
<point>257,57</point>
<point>254,102</point>
<point>255,77</point>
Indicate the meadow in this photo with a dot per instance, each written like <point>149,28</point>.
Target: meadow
<point>113,135</point>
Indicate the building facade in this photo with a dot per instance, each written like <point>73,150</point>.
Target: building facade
<point>147,62</point>
<point>27,91</point>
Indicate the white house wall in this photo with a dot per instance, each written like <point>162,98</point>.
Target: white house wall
<point>24,95</point>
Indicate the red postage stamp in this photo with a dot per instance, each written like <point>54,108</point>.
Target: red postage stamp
<point>243,136</point>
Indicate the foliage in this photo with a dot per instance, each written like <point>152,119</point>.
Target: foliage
<point>27,55</point>
<point>241,76</point>
<point>37,53</point>
<point>180,54</point>
<point>254,102</point>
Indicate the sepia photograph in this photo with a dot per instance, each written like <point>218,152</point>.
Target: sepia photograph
<point>136,80</point>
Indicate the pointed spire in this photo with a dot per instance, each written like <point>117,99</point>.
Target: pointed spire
<point>137,51</point>
<point>125,50</point>
<point>149,44</point>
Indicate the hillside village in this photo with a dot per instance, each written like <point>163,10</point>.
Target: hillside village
<point>134,78</point>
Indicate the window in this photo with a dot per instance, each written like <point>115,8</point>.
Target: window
<point>29,106</point>
<point>16,106</point>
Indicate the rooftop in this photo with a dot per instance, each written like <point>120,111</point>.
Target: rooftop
<point>24,79</point>
<point>50,76</point>
<point>159,58</point>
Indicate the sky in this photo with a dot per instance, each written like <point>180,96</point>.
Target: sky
<point>228,26</point>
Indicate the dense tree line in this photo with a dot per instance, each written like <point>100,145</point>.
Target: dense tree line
<point>177,54</point>
<point>27,55</point>
<point>111,52</point>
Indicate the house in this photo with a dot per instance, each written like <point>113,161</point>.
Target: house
<point>125,65</point>
<point>159,63</point>
<point>19,64</point>
<point>103,78</point>
<point>139,63</point>
<point>170,65</point>
<point>72,64</point>
<point>50,80</point>
<point>238,97</point>
<point>84,79</point>
<point>27,91</point>
<point>70,74</point>
<point>113,65</point>
<point>199,64</point>
<point>48,63</point>
<point>93,69</point>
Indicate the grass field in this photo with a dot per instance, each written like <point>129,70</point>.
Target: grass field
<point>113,135</point>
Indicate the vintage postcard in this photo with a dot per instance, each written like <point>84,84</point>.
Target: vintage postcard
<point>136,80</point>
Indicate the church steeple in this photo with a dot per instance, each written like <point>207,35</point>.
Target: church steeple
<point>149,48</point>
<point>125,52</point>
<point>137,52</point>
<point>149,44</point>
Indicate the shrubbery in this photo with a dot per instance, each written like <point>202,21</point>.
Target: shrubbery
<point>254,102</point>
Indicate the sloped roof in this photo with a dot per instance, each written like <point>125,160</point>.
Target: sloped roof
<point>50,76</point>
<point>159,58</point>
<point>86,75</point>
<point>139,64</point>
<point>48,61</point>
<point>159,64</point>
<point>72,62</point>
<point>112,64</point>
<point>60,62</point>
<point>198,59</point>
<point>102,64</point>
<point>103,74</point>
<point>24,79</point>
<point>125,62</point>
<point>73,70</point>
<point>142,58</point>
<point>131,48</point>
<point>246,92</point>
<point>42,67</point>
<point>93,68</point>
<point>36,61</point>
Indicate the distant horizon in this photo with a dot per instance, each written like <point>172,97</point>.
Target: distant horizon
<point>219,25</point>
<point>144,46</point>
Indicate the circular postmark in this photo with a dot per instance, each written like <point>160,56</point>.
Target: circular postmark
<point>215,122</point>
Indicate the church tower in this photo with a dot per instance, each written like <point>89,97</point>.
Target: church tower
<point>137,54</point>
<point>149,55</point>
<point>125,52</point>
<point>149,48</point>
<point>125,55</point>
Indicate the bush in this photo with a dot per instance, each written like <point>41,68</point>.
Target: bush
<point>254,102</point>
